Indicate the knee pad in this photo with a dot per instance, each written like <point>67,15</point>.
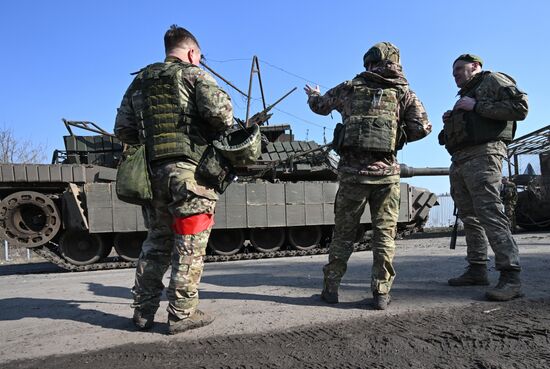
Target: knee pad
<point>193,224</point>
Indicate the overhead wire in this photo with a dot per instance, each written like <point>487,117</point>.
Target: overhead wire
<point>284,71</point>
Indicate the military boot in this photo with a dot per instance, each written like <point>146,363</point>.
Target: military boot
<point>196,320</point>
<point>507,288</point>
<point>381,301</point>
<point>143,319</point>
<point>475,275</point>
<point>330,293</point>
<point>330,287</point>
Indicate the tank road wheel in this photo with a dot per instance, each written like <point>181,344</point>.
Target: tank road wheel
<point>267,239</point>
<point>304,238</point>
<point>28,219</point>
<point>226,241</point>
<point>128,245</point>
<point>81,247</point>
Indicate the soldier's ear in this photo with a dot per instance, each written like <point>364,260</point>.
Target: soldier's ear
<point>477,66</point>
<point>193,56</point>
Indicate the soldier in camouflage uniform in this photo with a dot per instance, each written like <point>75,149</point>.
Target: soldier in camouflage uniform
<point>509,196</point>
<point>380,114</point>
<point>174,108</point>
<point>475,133</point>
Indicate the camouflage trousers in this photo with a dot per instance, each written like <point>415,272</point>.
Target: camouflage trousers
<point>510,211</point>
<point>475,186</point>
<point>162,247</point>
<point>349,206</point>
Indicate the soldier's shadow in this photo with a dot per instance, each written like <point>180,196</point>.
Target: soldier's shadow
<point>306,300</point>
<point>18,308</point>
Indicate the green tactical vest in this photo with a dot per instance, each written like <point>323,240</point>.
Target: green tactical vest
<point>165,108</point>
<point>373,121</point>
<point>468,128</point>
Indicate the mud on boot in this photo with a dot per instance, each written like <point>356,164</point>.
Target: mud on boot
<point>381,301</point>
<point>143,320</point>
<point>196,320</point>
<point>330,291</point>
<point>475,275</point>
<point>507,288</point>
<point>329,296</point>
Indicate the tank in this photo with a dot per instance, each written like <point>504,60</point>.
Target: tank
<point>68,211</point>
<point>533,205</point>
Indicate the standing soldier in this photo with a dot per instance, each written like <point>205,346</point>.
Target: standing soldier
<point>380,114</point>
<point>509,196</point>
<point>174,108</point>
<point>475,133</point>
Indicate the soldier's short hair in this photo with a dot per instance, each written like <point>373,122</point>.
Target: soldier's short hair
<point>176,35</point>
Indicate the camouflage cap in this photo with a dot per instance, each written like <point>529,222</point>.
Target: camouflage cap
<point>469,58</point>
<point>382,51</point>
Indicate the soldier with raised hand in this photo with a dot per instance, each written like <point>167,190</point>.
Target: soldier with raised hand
<point>380,114</point>
<point>476,132</point>
<point>175,109</point>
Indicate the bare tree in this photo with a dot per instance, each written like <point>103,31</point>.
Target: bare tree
<point>13,150</point>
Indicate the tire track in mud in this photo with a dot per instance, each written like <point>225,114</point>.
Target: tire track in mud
<point>481,336</point>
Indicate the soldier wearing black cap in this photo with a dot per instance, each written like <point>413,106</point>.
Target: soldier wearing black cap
<point>476,132</point>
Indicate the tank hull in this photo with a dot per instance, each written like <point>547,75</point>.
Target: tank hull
<point>256,216</point>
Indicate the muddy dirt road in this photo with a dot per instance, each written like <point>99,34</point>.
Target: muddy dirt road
<point>269,316</point>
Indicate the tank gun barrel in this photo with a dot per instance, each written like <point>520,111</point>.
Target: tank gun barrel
<point>407,171</point>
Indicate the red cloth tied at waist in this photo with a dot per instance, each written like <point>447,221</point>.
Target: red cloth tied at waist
<point>193,224</point>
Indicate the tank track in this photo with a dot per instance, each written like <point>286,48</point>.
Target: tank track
<point>49,251</point>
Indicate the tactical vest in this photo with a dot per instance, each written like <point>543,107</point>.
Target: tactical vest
<point>168,119</point>
<point>468,128</point>
<point>373,121</point>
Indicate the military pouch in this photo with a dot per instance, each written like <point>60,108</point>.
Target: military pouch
<point>455,132</point>
<point>132,180</point>
<point>338,137</point>
<point>371,133</point>
<point>215,170</point>
<point>469,128</point>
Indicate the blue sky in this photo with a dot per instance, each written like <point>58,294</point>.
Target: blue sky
<point>71,59</point>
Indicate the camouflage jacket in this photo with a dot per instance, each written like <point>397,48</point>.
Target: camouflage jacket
<point>357,167</point>
<point>212,103</point>
<point>497,97</point>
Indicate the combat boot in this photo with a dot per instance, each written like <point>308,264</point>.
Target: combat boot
<point>507,288</point>
<point>381,301</point>
<point>475,275</point>
<point>330,287</point>
<point>143,320</point>
<point>196,320</point>
<point>330,291</point>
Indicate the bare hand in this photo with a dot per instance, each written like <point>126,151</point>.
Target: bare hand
<point>312,91</point>
<point>466,103</point>
<point>446,116</point>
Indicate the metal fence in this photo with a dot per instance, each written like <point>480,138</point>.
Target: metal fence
<point>9,253</point>
<point>442,215</point>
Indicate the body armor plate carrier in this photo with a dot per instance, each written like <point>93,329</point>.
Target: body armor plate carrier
<point>373,122</point>
<point>169,123</point>
<point>466,129</point>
